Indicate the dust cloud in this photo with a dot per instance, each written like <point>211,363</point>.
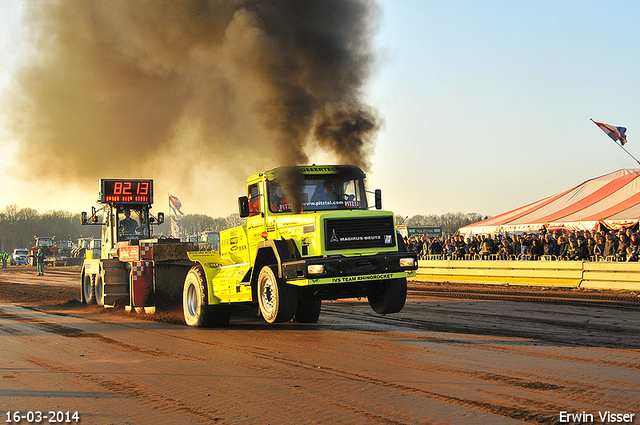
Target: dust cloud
<point>151,88</point>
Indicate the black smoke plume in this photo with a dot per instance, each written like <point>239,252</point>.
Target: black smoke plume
<point>135,87</point>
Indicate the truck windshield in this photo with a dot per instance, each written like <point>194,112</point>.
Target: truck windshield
<point>320,193</point>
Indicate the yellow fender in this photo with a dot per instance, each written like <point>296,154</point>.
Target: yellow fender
<point>224,275</point>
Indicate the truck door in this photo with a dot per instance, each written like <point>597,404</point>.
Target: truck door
<point>257,216</point>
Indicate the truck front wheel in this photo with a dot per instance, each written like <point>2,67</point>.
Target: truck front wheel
<point>277,300</point>
<point>197,311</point>
<point>388,296</point>
<point>308,310</point>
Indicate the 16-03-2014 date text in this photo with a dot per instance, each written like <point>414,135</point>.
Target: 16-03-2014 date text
<point>52,417</point>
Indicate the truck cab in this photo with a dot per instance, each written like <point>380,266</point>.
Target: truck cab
<point>208,240</point>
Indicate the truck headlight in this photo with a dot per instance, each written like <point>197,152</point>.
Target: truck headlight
<point>407,262</point>
<point>315,269</point>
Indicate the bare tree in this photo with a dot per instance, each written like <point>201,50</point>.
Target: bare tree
<point>450,222</point>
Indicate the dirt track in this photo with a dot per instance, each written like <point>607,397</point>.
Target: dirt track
<point>441,360</point>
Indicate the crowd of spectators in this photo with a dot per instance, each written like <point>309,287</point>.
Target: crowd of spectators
<point>621,245</point>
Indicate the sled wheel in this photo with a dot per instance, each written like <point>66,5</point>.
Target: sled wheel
<point>88,289</point>
<point>196,309</point>
<point>99,289</point>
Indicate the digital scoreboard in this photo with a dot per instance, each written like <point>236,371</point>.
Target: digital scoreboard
<point>126,191</point>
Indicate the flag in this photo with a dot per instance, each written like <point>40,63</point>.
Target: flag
<point>175,205</point>
<point>616,133</point>
<point>175,229</point>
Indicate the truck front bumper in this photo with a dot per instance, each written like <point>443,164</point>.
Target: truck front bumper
<point>340,269</point>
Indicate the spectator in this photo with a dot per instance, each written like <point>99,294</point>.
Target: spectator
<point>473,247</point>
<point>550,247</point>
<point>418,245</point>
<point>621,252</point>
<point>506,251</point>
<point>515,244</point>
<point>436,247</point>
<point>591,244</point>
<point>632,253</point>
<point>562,247</point>
<point>525,244</point>
<point>634,247</point>
<point>461,248</point>
<point>449,249</point>
<point>537,248</point>
<point>573,250</point>
<point>634,239</point>
<point>598,249</point>
<point>583,248</point>
<point>610,245</point>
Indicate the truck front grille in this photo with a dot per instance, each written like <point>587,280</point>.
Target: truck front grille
<point>354,233</point>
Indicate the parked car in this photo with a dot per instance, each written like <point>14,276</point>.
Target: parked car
<point>19,256</point>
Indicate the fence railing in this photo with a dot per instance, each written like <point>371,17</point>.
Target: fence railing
<point>512,257</point>
<point>583,274</point>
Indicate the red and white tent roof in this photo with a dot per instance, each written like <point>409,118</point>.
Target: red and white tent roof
<point>612,201</point>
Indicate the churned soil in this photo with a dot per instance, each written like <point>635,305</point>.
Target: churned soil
<point>456,354</point>
<point>59,285</point>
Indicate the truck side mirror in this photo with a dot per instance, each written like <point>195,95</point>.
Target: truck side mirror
<point>94,217</point>
<point>378,196</point>
<point>84,218</point>
<point>160,218</point>
<point>243,206</point>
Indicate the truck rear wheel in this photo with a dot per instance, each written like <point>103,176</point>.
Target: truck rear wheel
<point>308,310</point>
<point>88,289</point>
<point>277,300</point>
<point>196,309</point>
<point>388,296</point>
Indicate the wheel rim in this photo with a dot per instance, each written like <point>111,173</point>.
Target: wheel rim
<point>191,300</point>
<point>268,295</point>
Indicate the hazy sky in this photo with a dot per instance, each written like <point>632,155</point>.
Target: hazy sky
<point>486,106</point>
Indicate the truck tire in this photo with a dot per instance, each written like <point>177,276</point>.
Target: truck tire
<point>196,309</point>
<point>277,300</point>
<point>308,310</point>
<point>88,289</point>
<point>388,296</point>
<point>99,290</point>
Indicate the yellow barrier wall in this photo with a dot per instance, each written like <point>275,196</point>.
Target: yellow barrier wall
<point>583,274</point>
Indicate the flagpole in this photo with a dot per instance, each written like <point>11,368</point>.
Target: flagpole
<point>172,230</point>
<point>628,153</point>
<point>620,145</point>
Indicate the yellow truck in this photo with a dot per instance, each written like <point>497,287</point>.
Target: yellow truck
<point>310,235</point>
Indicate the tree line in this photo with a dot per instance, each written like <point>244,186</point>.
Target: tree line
<point>191,224</point>
<point>18,225</point>
<point>450,222</point>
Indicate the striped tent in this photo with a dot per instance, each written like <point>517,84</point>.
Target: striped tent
<point>611,201</point>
